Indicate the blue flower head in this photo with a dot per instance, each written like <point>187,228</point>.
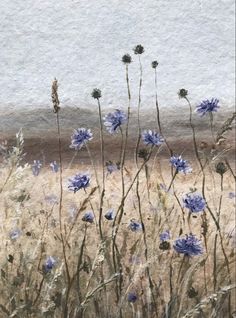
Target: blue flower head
<point>232,195</point>
<point>54,166</point>
<point>88,217</point>
<point>208,106</point>
<point>189,246</point>
<point>135,226</point>
<point>80,137</point>
<point>14,234</point>
<point>110,215</point>
<point>152,138</point>
<point>165,236</point>
<point>114,120</point>
<point>180,164</point>
<point>112,167</point>
<point>194,202</point>
<point>51,199</point>
<point>36,167</point>
<point>79,181</point>
<point>132,297</point>
<point>49,264</point>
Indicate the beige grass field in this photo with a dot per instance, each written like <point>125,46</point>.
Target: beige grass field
<point>84,263</point>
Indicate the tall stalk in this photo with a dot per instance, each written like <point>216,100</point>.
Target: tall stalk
<point>56,102</point>
<point>183,94</point>
<point>154,66</point>
<point>96,94</point>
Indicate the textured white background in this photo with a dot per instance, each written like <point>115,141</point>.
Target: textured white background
<point>81,42</point>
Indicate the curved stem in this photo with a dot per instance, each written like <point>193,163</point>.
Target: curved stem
<point>103,171</point>
<point>61,197</point>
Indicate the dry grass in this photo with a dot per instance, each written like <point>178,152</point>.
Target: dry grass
<point>30,204</point>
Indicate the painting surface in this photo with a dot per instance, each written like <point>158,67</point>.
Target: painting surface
<point>117,159</point>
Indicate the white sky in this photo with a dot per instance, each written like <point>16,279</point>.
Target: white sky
<point>81,42</point>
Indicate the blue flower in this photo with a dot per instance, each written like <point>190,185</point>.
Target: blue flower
<point>14,234</point>
<point>88,217</point>
<point>132,297</point>
<point>79,181</point>
<point>51,199</point>
<point>180,164</point>
<point>232,195</point>
<point>165,236</point>
<point>36,167</point>
<point>189,246</point>
<point>208,106</point>
<point>112,167</point>
<point>194,202</point>
<point>49,264</point>
<point>152,138</point>
<point>114,120</point>
<point>80,137</point>
<point>135,226</point>
<point>110,215</point>
<point>54,166</point>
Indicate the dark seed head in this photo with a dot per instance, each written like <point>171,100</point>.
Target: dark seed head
<point>139,49</point>
<point>182,93</point>
<point>143,153</point>
<point>221,168</point>
<point>154,64</point>
<point>126,59</point>
<point>192,293</point>
<point>96,93</point>
<point>164,246</point>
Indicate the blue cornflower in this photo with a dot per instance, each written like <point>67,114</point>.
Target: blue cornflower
<point>208,106</point>
<point>51,199</point>
<point>151,137</point>
<point>112,167</point>
<point>14,234</point>
<point>36,167</point>
<point>110,215</point>
<point>194,202</point>
<point>54,166</point>
<point>135,226</point>
<point>232,195</point>
<point>79,181</point>
<point>49,264</point>
<point>114,120</point>
<point>88,217</point>
<point>165,236</point>
<point>189,246</point>
<point>132,297</point>
<point>180,164</point>
<point>80,137</point>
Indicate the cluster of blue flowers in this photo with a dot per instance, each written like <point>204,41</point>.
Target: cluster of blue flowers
<point>180,164</point>
<point>79,181</point>
<point>194,202</point>
<point>80,137</point>
<point>114,120</point>
<point>152,138</point>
